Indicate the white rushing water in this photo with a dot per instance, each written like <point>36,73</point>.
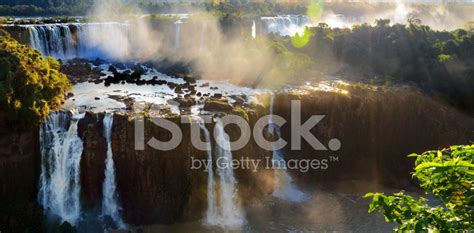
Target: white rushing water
<point>254,29</point>
<point>52,40</point>
<point>110,204</point>
<point>211,213</point>
<point>228,213</point>
<point>91,40</point>
<point>285,190</point>
<point>285,25</point>
<point>61,150</point>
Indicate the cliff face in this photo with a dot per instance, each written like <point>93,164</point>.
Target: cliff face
<point>156,186</point>
<point>19,163</point>
<point>377,130</point>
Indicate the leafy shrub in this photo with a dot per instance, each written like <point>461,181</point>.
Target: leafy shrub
<point>447,174</point>
<point>30,86</point>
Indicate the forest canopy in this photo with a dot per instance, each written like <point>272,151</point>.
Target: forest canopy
<point>30,86</point>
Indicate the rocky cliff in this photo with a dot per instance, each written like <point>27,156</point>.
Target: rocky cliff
<point>377,129</point>
<point>156,186</point>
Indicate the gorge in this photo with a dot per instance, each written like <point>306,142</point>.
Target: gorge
<point>93,163</point>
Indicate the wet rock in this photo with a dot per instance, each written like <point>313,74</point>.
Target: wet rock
<point>238,100</point>
<point>217,106</point>
<point>178,90</point>
<point>98,62</point>
<point>189,78</point>
<point>97,98</point>
<point>171,85</point>
<point>185,102</point>
<point>80,70</point>
<point>205,85</point>
<point>217,96</point>
<point>139,69</point>
<point>161,82</point>
<point>69,95</point>
<point>120,65</point>
<point>113,69</point>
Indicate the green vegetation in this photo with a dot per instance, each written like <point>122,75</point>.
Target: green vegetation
<point>30,86</point>
<point>446,174</point>
<point>439,62</point>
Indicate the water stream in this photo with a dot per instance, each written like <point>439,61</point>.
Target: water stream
<point>110,203</point>
<point>61,150</point>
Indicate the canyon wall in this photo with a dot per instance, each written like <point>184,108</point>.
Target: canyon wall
<point>157,186</point>
<point>377,129</point>
<point>19,162</point>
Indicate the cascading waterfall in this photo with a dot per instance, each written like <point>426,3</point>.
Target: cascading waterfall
<point>286,190</point>
<point>254,29</point>
<point>92,40</point>
<point>52,40</point>
<point>211,213</point>
<point>229,213</point>
<point>61,150</point>
<point>285,25</point>
<point>110,204</point>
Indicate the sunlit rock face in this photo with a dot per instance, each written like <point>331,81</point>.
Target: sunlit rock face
<point>377,130</point>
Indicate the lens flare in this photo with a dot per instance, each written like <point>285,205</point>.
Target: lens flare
<point>315,10</point>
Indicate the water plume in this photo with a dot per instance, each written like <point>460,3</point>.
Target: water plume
<point>135,40</point>
<point>110,204</point>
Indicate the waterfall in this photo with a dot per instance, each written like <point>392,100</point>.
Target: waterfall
<point>211,213</point>
<point>286,190</point>
<point>35,40</point>
<point>52,40</point>
<point>61,150</point>
<point>285,25</point>
<point>229,214</point>
<point>92,40</point>
<point>178,32</point>
<point>110,206</point>
<point>254,30</point>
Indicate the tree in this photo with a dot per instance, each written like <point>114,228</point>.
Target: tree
<point>447,174</point>
<point>30,86</point>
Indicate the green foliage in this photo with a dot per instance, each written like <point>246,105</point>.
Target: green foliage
<point>438,62</point>
<point>30,86</point>
<point>447,174</point>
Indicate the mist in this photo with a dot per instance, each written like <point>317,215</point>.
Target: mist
<point>437,16</point>
<point>195,39</point>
